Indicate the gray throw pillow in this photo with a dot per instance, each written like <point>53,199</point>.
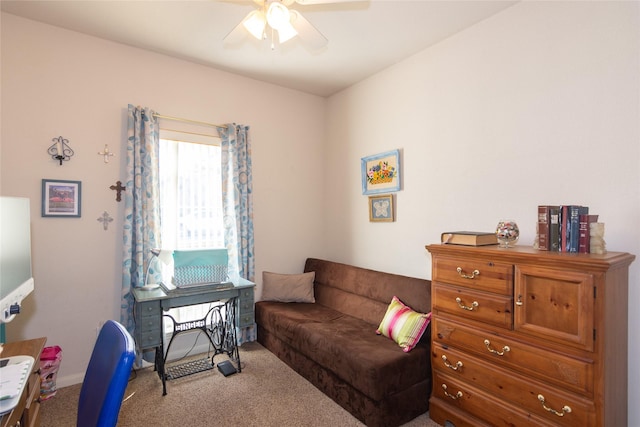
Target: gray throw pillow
<point>288,287</point>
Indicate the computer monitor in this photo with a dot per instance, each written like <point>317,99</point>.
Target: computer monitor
<point>16,279</point>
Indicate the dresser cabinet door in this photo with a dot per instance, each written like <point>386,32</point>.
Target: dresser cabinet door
<point>556,305</point>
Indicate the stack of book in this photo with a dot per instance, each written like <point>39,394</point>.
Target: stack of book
<point>564,228</point>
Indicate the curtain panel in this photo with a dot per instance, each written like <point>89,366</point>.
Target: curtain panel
<point>141,204</point>
<point>237,207</point>
<point>237,199</point>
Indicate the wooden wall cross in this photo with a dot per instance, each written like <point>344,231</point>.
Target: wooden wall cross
<point>119,188</point>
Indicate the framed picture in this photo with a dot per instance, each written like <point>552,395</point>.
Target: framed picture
<point>381,208</point>
<point>61,198</point>
<point>381,173</point>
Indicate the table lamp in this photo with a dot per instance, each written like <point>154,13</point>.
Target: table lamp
<point>165,256</point>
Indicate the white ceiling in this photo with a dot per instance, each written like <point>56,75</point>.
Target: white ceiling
<point>364,36</point>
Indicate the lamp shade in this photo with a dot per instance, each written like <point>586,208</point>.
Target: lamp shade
<point>164,255</point>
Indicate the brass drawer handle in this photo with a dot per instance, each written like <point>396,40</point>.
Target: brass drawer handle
<point>456,396</point>
<point>565,409</point>
<point>466,276</point>
<point>505,349</point>
<point>474,305</point>
<point>448,364</point>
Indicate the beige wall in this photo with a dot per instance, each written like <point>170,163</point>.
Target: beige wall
<point>539,104</point>
<point>56,82</point>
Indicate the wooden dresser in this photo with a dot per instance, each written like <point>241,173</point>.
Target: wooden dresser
<point>27,413</point>
<point>522,337</point>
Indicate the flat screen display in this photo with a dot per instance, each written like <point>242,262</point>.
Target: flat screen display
<point>16,280</point>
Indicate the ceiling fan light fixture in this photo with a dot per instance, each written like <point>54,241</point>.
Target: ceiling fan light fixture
<point>255,24</point>
<point>278,15</point>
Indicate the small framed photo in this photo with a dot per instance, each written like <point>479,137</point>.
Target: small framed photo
<point>381,208</point>
<point>61,198</point>
<point>381,173</point>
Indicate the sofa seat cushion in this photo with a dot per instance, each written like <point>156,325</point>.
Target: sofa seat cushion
<point>283,319</point>
<point>347,346</point>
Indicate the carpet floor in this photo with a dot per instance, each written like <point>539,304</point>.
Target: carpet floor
<point>266,393</point>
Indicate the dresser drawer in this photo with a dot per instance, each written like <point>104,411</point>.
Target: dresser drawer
<point>148,324</point>
<point>474,273</point>
<point>479,306</point>
<point>454,395</point>
<point>246,294</point>
<point>149,339</point>
<point>245,304</point>
<point>522,391</point>
<point>570,373</point>
<point>246,319</point>
<point>148,309</point>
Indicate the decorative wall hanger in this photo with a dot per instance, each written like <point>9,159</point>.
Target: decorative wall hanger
<point>60,149</point>
<point>106,153</point>
<point>119,188</point>
<point>105,219</point>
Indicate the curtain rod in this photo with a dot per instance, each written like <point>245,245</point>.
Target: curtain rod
<point>208,135</point>
<point>179,119</point>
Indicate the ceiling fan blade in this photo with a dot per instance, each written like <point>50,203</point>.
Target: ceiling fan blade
<point>308,34</point>
<point>238,34</point>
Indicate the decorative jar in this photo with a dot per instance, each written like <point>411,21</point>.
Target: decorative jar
<point>507,233</point>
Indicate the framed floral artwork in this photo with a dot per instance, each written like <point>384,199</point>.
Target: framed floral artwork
<point>381,173</point>
<point>61,198</point>
<point>381,208</point>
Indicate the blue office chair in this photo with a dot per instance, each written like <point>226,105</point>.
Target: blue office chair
<point>106,377</point>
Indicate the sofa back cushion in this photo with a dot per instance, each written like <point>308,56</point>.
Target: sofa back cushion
<point>363,293</point>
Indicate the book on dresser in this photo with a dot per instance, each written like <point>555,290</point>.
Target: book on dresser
<point>469,238</point>
<point>584,240</point>
<point>544,224</point>
<point>574,227</point>
<point>554,228</point>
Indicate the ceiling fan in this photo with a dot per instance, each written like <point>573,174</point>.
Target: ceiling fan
<point>274,19</point>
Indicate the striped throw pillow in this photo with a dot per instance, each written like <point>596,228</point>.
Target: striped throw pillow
<point>403,325</point>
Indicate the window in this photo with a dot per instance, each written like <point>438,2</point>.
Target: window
<point>191,202</point>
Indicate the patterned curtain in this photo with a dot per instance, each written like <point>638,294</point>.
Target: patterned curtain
<point>237,207</point>
<point>141,204</point>
<point>237,199</point>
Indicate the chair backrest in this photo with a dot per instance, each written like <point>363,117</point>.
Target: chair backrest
<point>106,377</point>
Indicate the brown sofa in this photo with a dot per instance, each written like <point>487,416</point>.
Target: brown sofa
<point>333,342</point>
